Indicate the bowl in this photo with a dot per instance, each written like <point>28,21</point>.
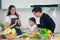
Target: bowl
<point>10,36</point>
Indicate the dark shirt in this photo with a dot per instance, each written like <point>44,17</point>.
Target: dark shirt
<point>46,22</point>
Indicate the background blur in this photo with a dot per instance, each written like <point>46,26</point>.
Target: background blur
<point>25,11</point>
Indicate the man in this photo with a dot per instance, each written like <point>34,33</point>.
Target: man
<point>45,20</point>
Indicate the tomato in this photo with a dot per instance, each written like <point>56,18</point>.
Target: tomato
<point>10,33</point>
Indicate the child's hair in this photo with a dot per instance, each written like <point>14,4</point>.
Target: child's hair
<point>33,19</point>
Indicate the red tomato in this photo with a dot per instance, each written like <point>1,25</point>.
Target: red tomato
<point>10,32</point>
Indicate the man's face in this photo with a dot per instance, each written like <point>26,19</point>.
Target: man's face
<point>37,14</point>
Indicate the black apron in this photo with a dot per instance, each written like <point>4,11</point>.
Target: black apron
<point>17,29</point>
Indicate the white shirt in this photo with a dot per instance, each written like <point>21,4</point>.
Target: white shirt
<point>37,20</point>
<point>31,28</point>
<point>8,18</point>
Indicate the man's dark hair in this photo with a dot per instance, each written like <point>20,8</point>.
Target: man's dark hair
<point>37,9</point>
<point>32,19</point>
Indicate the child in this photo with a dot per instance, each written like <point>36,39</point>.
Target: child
<point>32,25</point>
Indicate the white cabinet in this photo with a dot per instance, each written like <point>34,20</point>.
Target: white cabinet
<point>0,4</point>
<point>58,1</point>
<point>26,3</point>
<point>52,1</point>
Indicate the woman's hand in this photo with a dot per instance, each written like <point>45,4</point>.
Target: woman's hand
<point>16,22</point>
<point>19,22</point>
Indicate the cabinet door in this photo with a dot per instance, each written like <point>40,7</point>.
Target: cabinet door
<point>0,4</point>
<point>21,3</point>
<point>52,1</point>
<point>26,3</point>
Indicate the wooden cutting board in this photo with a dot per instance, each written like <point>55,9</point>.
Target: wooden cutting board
<point>2,37</point>
<point>56,37</point>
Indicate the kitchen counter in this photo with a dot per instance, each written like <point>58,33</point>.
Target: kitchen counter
<point>33,39</point>
<point>56,37</point>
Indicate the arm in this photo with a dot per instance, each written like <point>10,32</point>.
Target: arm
<point>19,22</point>
<point>24,28</point>
<point>8,22</point>
<point>7,25</point>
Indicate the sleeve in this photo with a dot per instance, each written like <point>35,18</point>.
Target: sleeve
<point>8,20</point>
<point>50,22</point>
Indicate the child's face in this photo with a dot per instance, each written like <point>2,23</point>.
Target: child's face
<point>31,23</point>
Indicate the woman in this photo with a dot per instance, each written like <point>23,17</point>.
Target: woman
<point>12,19</point>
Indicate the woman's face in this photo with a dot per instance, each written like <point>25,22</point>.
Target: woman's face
<point>13,10</point>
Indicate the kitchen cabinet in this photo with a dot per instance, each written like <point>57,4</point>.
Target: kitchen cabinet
<point>0,4</point>
<point>58,1</point>
<point>52,1</point>
<point>26,3</point>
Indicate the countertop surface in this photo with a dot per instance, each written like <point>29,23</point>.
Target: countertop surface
<point>56,37</point>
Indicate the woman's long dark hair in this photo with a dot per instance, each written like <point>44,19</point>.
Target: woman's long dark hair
<point>9,13</point>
